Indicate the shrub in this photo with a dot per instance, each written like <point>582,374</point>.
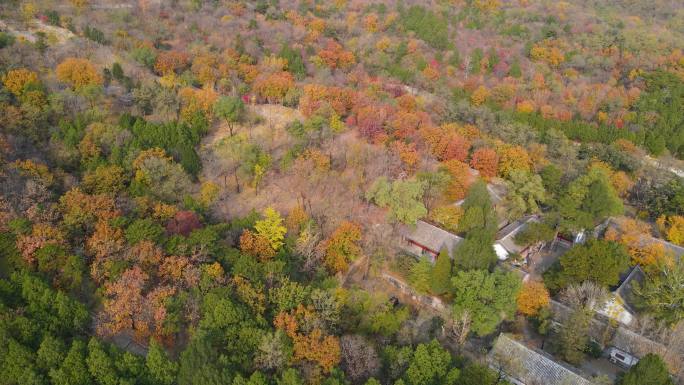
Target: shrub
<point>145,56</point>
<point>95,35</point>
<point>427,26</point>
<point>143,229</point>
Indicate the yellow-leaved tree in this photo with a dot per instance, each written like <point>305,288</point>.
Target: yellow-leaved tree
<point>78,73</point>
<point>636,236</point>
<point>532,297</point>
<point>673,228</point>
<point>272,228</point>
<point>341,247</point>
<point>16,80</point>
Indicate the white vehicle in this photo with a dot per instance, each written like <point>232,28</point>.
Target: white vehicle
<point>621,358</point>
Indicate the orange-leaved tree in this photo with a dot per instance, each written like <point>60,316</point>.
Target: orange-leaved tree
<point>457,148</point>
<point>16,80</point>
<point>104,245</point>
<point>314,346</point>
<point>42,234</point>
<point>170,61</point>
<point>643,249</point>
<point>317,347</point>
<point>532,297</point>
<point>485,160</point>
<point>408,154</point>
<point>479,96</point>
<point>673,228</point>
<point>342,246</point>
<point>256,245</point>
<point>274,87</point>
<point>123,301</point>
<point>78,73</point>
<point>335,56</point>
<point>461,179</point>
<point>84,210</point>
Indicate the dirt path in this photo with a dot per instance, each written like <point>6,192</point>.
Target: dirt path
<point>358,271</point>
<point>35,26</point>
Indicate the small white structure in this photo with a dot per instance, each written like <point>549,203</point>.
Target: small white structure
<point>500,251</point>
<point>621,358</point>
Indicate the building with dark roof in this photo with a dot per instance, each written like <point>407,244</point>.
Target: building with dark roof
<point>427,240</point>
<point>522,365</point>
<point>676,251</point>
<point>505,239</point>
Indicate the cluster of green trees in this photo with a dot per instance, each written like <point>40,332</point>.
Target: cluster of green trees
<point>44,340</point>
<point>225,296</point>
<point>428,26</point>
<point>662,294</point>
<point>178,139</point>
<point>659,120</point>
<point>598,261</point>
<point>402,197</point>
<point>104,216</point>
<point>649,370</point>
<point>588,200</point>
<point>659,113</point>
<point>95,34</point>
<point>119,144</point>
<point>295,63</point>
<point>660,198</point>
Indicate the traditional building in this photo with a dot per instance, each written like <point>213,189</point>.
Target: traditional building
<point>505,239</point>
<point>620,305</point>
<point>426,240</point>
<point>676,251</point>
<point>522,365</point>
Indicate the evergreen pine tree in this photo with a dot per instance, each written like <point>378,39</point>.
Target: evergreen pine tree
<point>441,273</point>
<point>515,70</point>
<point>650,370</point>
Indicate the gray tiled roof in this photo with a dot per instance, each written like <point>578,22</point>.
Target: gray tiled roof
<point>625,289</point>
<point>506,236</point>
<point>497,192</point>
<point>433,237</point>
<point>676,251</point>
<point>530,367</point>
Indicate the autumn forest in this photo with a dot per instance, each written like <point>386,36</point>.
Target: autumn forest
<point>341,192</point>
